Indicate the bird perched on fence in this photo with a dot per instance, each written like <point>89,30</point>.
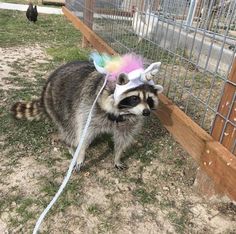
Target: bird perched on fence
<point>32,13</point>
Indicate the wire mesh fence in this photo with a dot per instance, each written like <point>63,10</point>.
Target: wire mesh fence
<point>194,40</point>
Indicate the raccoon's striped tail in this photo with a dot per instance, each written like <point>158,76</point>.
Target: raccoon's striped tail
<point>32,110</point>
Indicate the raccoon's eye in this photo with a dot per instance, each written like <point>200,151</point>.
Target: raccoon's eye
<point>150,102</point>
<point>129,102</point>
<point>134,99</point>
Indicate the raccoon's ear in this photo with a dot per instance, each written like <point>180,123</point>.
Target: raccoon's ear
<point>122,79</point>
<point>158,88</point>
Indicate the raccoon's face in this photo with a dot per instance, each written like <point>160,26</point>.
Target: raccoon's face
<point>138,101</point>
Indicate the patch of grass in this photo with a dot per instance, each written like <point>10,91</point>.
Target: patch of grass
<point>71,196</point>
<point>202,81</point>
<point>49,29</point>
<point>139,154</point>
<point>179,162</point>
<point>24,138</point>
<point>17,66</point>
<point>179,219</point>
<point>94,209</point>
<point>130,40</point>
<point>166,203</point>
<point>13,73</point>
<point>17,1</point>
<point>143,196</point>
<point>30,135</point>
<point>67,54</point>
<point>105,227</point>
<point>178,216</point>
<point>137,181</point>
<point>149,149</point>
<point>6,201</point>
<point>38,2</point>
<point>19,207</point>
<point>110,223</point>
<point>18,81</point>
<point>50,188</point>
<point>24,211</point>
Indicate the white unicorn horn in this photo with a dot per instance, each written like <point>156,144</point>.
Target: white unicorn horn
<point>152,70</point>
<point>153,67</point>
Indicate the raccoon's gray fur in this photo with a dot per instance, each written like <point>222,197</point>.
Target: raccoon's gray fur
<point>67,99</point>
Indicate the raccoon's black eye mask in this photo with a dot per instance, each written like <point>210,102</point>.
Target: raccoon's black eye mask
<point>150,102</point>
<point>128,102</point>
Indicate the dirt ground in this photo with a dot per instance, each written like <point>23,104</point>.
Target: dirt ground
<point>154,195</point>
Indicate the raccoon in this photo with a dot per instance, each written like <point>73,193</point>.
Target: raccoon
<point>68,96</point>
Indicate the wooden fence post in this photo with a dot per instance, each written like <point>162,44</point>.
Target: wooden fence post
<point>88,19</point>
<point>199,8</point>
<point>223,131</point>
<point>142,6</point>
<point>156,5</point>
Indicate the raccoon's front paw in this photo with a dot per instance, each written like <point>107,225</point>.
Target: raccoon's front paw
<point>77,167</point>
<point>121,166</point>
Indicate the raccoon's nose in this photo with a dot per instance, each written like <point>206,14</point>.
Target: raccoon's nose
<point>146,112</point>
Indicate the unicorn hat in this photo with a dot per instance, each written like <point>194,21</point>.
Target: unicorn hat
<point>129,64</point>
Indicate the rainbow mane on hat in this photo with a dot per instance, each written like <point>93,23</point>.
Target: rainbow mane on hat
<point>132,65</point>
<point>115,65</point>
